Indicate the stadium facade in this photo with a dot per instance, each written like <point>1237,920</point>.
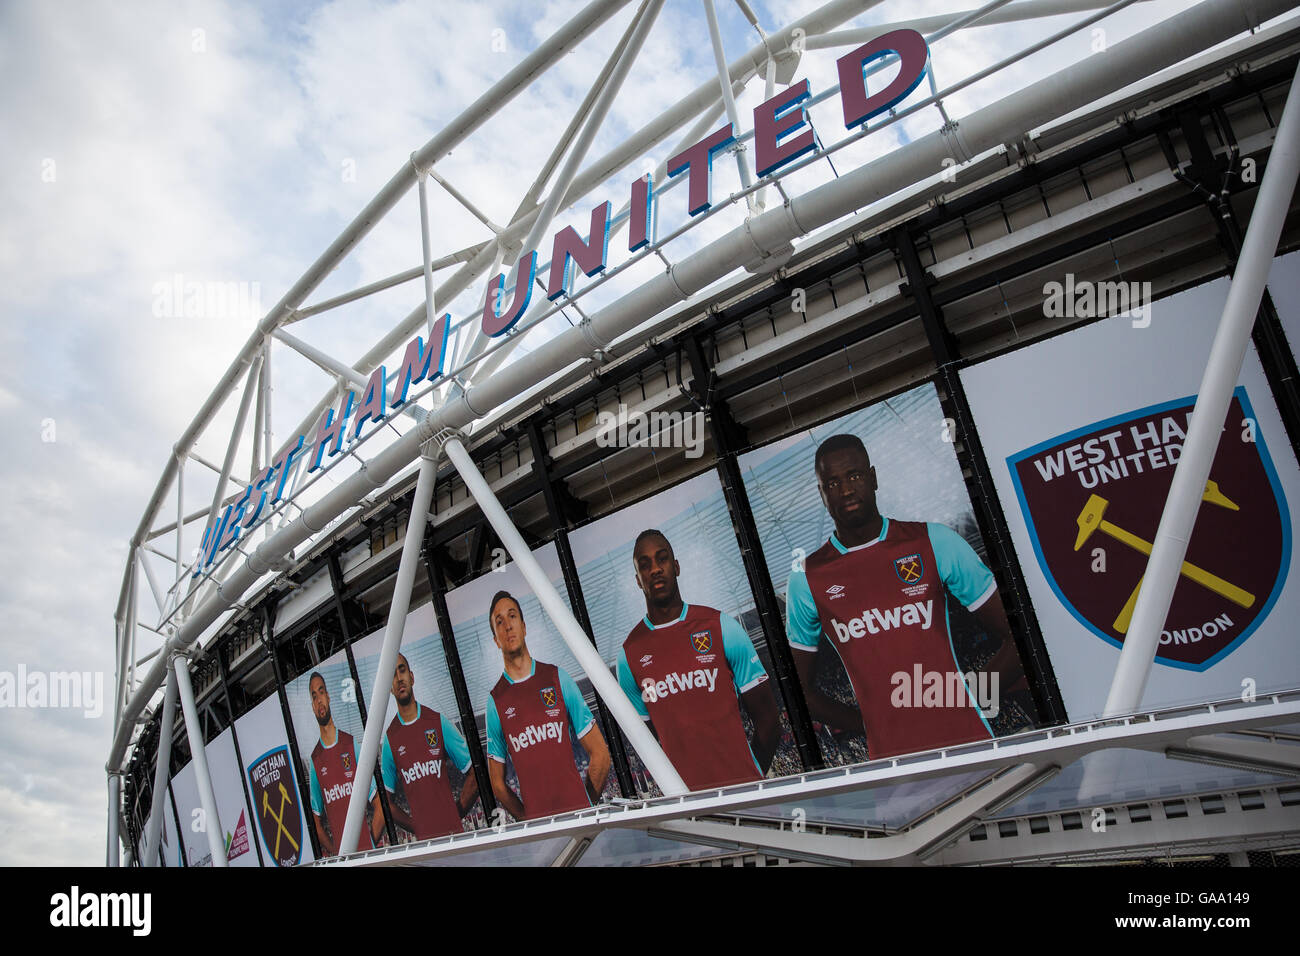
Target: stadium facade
<point>1014,314</point>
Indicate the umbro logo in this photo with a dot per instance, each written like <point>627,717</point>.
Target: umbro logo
<point>646,659</point>
<point>401,749</point>
<point>510,711</point>
<point>835,590</point>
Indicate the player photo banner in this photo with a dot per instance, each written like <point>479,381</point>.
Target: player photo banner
<point>546,752</point>
<point>675,619</point>
<point>1095,496</point>
<point>1083,432</point>
<point>424,758</point>
<point>323,705</point>
<point>892,613</point>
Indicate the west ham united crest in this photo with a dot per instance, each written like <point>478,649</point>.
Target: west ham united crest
<point>275,806</point>
<point>702,641</point>
<point>431,738</point>
<point>909,568</point>
<point>1092,501</point>
<point>549,696</point>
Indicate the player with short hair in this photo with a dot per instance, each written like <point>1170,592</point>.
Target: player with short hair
<point>417,745</point>
<point>876,593</point>
<point>533,713</point>
<point>333,770</point>
<point>686,668</point>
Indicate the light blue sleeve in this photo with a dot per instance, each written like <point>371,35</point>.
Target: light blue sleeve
<point>317,798</point>
<point>959,567</point>
<point>496,741</point>
<point>803,627</point>
<point>579,712</point>
<point>453,741</point>
<point>628,683</point>
<point>388,766</point>
<point>746,668</point>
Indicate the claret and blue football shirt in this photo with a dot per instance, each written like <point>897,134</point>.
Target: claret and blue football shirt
<point>532,721</point>
<point>333,771</point>
<point>882,606</point>
<point>419,752</point>
<point>686,677</point>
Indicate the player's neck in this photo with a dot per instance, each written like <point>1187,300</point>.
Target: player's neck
<point>865,533</point>
<point>329,734</point>
<point>409,710</point>
<point>661,614</point>
<point>519,666</point>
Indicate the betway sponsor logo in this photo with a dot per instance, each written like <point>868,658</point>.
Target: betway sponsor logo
<point>338,791</point>
<point>422,768</point>
<point>876,621</point>
<point>652,690</point>
<point>536,733</point>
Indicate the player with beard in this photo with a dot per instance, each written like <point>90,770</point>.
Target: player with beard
<point>417,745</point>
<point>686,668</point>
<point>533,713</point>
<point>333,774</point>
<point>877,592</point>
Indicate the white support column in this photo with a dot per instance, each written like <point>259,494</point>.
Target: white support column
<point>268,435</point>
<point>578,151</point>
<point>393,630</point>
<point>228,463</point>
<point>724,79</point>
<point>161,764</point>
<point>429,308</point>
<point>255,458</point>
<point>575,638</point>
<point>180,518</point>
<point>114,798</point>
<point>1221,372</point>
<point>153,582</point>
<point>194,731</point>
<point>339,369</point>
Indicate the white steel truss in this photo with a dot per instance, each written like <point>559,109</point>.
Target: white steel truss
<point>484,385</point>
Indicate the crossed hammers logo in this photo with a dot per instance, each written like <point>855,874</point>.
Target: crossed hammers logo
<point>1091,519</point>
<point>281,829</point>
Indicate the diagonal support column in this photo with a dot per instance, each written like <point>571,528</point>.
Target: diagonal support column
<point>401,603</point>
<point>114,817</point>
<point>194,731</point>
<point>162,762</point>
<point>1227,354</point>
<point>652,755</point>
<point>724,79</point>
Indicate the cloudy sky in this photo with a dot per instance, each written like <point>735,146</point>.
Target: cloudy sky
<point>190,141</point>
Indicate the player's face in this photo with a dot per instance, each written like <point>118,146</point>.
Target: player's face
<point>403,682</point>
<point>847,482</point>
<point>508,626</point>
<point>656,570</point>
<point>320,702</point>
